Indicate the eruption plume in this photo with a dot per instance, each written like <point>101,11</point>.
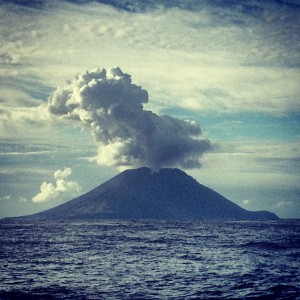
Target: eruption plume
<point>127,135</point>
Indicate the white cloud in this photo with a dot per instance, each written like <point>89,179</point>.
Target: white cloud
<point>62,174</point>
<point>11,97</point>
<point>23,199</point>
<point>32,122</point>
<point>62,189</point>
<point>283,204</point>
<point>247,202</point>
<point>5,198</point>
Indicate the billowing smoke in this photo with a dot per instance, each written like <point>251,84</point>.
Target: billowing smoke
<point>127,135</point>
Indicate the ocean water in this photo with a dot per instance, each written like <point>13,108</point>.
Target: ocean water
<point>149,260</point>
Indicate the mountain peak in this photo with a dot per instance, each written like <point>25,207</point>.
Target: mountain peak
<point>146,194</point>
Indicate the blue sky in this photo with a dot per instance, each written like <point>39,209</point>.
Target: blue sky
<point>230,66</point>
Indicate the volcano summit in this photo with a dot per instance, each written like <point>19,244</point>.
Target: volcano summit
<point>142,194</point>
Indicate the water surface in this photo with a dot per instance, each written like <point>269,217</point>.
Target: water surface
<point>149,260</point>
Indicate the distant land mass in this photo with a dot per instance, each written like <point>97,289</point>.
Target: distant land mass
<point>144,194</point>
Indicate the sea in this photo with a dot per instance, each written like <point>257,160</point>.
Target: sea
<point>149,259</point>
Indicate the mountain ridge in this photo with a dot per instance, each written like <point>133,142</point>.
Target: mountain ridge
<point>144,194</point>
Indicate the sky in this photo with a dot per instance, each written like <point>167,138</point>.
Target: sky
<point>90,88</point>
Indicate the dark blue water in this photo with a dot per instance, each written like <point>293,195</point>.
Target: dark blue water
<point>149,260</point>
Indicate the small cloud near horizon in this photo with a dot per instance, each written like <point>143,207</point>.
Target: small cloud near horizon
<point>62,189</point>
<point>5,198</point>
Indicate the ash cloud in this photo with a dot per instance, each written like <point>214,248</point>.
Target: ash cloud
<point>127,135</point>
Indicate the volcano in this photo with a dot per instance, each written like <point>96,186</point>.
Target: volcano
<point>143,194</point>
